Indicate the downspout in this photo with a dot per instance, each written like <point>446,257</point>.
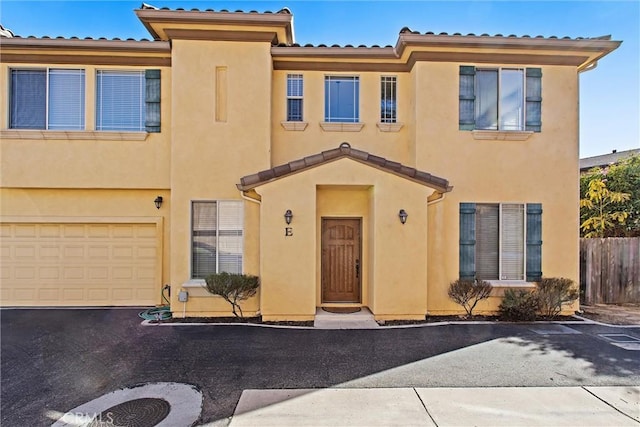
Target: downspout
<point>259,202</point>
<point>590,67</point>
<point>245,197</point>
<point>438,200</point>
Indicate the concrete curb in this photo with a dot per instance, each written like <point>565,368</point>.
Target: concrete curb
<point>582,321</point>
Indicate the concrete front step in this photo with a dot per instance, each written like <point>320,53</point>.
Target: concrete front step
<point>360,320</point>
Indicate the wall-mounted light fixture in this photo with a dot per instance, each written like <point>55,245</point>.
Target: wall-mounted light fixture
<point>403,215</point>
<point>158,202</point>
<point>288,215</point>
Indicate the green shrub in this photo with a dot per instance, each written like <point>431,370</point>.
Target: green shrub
<point>553,293</point>
<point>519,305</point>
<point>233,288</point>
<point>467,293</point>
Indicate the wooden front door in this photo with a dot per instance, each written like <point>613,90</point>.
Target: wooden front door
<point>341,260</point>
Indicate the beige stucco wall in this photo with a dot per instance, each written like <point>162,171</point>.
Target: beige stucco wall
<point>222,108</point>
<point>84,159</point>
<point>289,145</point>
<point>542,169</point>
<point>394,255</point>
<point>91,206</point>
<point>208,156</point>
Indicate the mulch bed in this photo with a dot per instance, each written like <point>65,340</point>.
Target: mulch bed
<point>254,320</point>
<point>428,319</point>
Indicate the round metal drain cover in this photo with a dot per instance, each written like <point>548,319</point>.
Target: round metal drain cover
<point>145,412</point>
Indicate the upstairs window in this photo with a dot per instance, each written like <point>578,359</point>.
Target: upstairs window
<point>294,97</point>
<point>501,99</point>
<point>128,100</point>
<point>120,100</point>
<point>342,99</point>
<point>216,237</point>
<point>388,99</point>
<point>47,99</point>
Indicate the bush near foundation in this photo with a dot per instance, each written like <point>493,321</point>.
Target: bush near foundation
<point>545,301</point>
<point>553,293</point>
<point>468,293</point>
<point>519,305</point>
<point>233,288</point>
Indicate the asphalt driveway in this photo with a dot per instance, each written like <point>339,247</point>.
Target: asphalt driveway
<point>56,360</point>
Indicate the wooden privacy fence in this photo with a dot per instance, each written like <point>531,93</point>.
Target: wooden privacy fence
<point>610,270</point>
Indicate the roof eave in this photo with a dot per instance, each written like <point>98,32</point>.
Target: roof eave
<point>182,17</point>
<point>261,178</point>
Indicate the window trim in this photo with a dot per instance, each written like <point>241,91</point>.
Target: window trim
<point>47,98</point>
<point>393,80</point>
<point>142,107</point>
<point>356,104</point>
<point>523,100</point>
<point>295,77</point>
<point>217,231</point>
<point>500,242</point>
<point>532,93</point>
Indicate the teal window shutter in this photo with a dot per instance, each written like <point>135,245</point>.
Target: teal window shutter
<point>467,241</point>
<point>467,107</point>
<point>534,242</point>
<point>534,100</point>
<point>152,100</point>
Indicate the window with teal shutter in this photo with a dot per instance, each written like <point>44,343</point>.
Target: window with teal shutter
<point>467,240</point>
<point>534,242</point>
<point>494,239</point>
<point>534,100</point>
<point>501,99</point>
<point>467,98</point>
<point>152,100</point>
<point>120,102</point>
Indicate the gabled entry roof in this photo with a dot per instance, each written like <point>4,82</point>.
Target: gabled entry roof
<point>344,150</point>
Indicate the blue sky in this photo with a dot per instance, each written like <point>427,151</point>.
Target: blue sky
<point>609,95</point>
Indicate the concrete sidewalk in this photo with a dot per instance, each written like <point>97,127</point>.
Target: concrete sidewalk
<point>491,406</point>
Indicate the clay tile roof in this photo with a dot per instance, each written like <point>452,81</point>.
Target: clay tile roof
<point>344,151</point>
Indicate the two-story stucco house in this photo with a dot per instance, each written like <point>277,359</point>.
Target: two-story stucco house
<point>341,176</point>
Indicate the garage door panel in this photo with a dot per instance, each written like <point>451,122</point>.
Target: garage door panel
<point>24,230</point>
<point>25,252</point>
<point>51,295</point>
<point>24,273</point>
<point>80,264</point>
<point>74,296</point>
<point>73,231</point>
<point>123,251</point>
<point>98,231</point>
<point>123,231</point>
<point>25,294</point>
<point>50,231</point>
<point>49,273</point>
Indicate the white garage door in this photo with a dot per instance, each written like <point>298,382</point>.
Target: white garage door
<point>79,264</point>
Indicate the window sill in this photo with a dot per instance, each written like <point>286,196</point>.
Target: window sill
<point>502,135</point>
<point>341,127</point>
<point>197,288</point>
<point>72,135</point>
<point>511,284</point>
<point>294,126</point>
<point>389,127</point>
<point>194,283</point>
